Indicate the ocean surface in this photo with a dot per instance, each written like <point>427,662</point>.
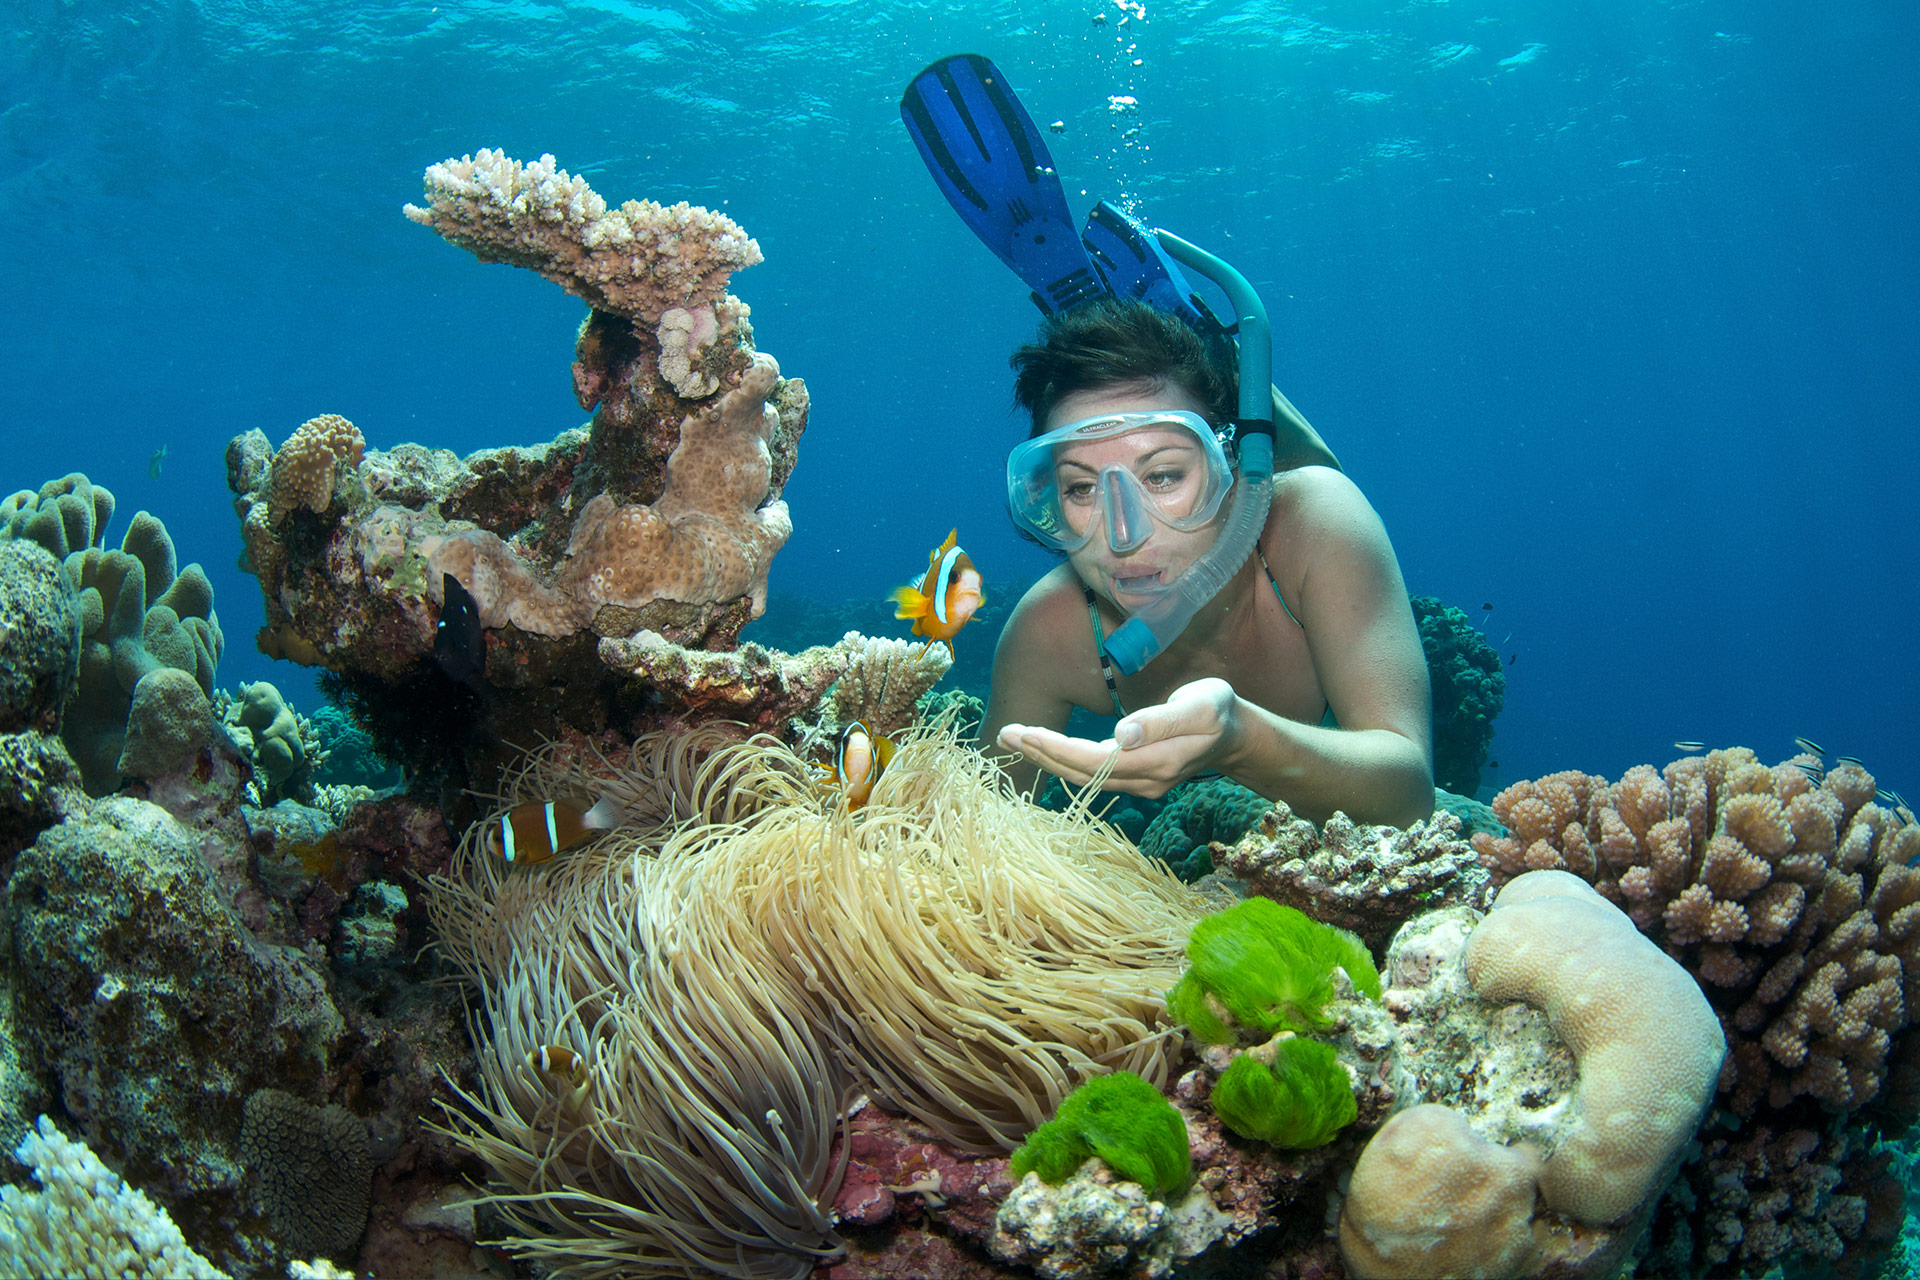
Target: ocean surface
<point>1609,307</point>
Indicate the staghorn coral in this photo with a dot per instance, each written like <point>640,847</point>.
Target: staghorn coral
<point>639,260</point>
<point>302,472</point>
<point>925,944</point>
<point>1364,878</point>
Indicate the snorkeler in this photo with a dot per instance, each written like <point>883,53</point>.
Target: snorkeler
<point>1227,593</point>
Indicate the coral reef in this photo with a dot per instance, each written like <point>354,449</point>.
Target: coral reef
<point>1786,892</point>
<point>1469,689</point>
<point>883,683</point>
<point>39,637</point>
<point>169,722</point>
<point>139,613</point>
<point>86,1221</point>
<point>641,260</point>
<point>1196,815</point>
<point>1365,879</point>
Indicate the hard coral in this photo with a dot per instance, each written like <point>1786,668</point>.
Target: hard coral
<point>303,471</point>
<point>1363,878</point>
<point>1791,900</point>
<point>1469,689</point>
<point>639,260</point>
<point>314,1169</point>
<point>1645,1081</point>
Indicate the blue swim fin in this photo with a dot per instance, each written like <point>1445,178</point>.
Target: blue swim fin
<point>1132,264</point>
<point>991,163</point>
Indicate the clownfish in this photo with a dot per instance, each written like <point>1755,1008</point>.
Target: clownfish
<point>566,1074</point>
<point>858,762</point>
<point>946,598</point>
<point>530,834</point>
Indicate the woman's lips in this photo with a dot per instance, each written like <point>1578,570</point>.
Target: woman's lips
<point>1136,582</point>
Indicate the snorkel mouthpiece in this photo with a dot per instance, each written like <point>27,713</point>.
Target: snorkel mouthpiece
<point>1156,624</point>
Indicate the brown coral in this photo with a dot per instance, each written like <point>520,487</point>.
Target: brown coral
<point>1790,899</point>
<point>302,473</point>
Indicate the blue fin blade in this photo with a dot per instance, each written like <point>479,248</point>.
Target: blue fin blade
<point>994,169</point>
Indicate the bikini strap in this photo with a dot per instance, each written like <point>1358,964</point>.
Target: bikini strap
<point>1099,647</point>
<point>1275,584</point>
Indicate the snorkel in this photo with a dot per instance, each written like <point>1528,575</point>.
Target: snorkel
<point>1156,624</point>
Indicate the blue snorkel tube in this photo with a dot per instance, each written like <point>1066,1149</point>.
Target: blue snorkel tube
<point>1146,634</point>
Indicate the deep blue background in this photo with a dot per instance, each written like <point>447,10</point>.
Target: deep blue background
<point>1607,306</point>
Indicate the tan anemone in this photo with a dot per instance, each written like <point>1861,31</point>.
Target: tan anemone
<point>964,956</point>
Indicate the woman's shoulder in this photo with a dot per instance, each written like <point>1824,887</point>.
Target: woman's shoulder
<point>1317,499</point>
<point>1056,601</point>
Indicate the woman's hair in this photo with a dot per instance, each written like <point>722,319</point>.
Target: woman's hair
<point>1115,342</point>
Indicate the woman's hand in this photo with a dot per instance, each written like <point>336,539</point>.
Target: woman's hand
<point>1191,732</point>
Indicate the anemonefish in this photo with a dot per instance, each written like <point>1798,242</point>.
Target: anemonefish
<point>529,834</point>
<point>858,762</point>
<point>566,1074</point>
<point>946,598</point>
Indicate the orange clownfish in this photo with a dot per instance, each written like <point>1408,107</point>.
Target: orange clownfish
<point>530,834</point>
<point>858,762</point>
<point>946,598</point>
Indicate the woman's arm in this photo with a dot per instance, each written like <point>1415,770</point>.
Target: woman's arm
<point>1029,684</point>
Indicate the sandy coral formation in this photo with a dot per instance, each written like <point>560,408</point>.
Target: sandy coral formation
<point>86,1221</point>
<point>684,337</point>
<point>39,637</point>
<point>302,472</point>
<point>169,722</point>
<point>639,260</point>
<point>760,687</point>
<point>1363,878</point>
<point>1645,1082</point>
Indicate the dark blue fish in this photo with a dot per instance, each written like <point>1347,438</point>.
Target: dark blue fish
<point>460,642</point>
<point>153,463</point>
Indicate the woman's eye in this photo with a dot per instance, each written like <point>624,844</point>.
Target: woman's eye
<point>1078,491</point>
<point>1165,478</point>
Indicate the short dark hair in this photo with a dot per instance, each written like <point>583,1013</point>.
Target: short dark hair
<point>1118,342</point>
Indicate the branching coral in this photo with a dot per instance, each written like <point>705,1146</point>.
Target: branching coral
<point>884,682</point>
<point>726,981</point>
<point>638,260</point>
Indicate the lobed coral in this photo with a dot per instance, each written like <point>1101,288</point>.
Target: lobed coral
<point>1197,815</point>
<point>139,612</point>
<point>302,472</point>
<point>640,260</point>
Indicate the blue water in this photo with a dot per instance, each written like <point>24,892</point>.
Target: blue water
<point>1609,307</point>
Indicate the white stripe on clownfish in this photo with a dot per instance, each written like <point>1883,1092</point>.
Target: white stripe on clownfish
<point>943,580</point>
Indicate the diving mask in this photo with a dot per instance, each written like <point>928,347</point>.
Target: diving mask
<point>1170,470</point>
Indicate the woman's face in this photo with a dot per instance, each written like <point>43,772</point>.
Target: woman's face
<point>1171,470</point>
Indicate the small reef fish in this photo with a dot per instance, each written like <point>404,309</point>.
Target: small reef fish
<point>1853,760</point>
<point>1809,746</point>
<point>946,598</point>
<point>534,832</point>
<point>1690,746</point>
<point>858,761</point>
<point>459,641</point>
<point>153,463</point>
<point>566,1073</point>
